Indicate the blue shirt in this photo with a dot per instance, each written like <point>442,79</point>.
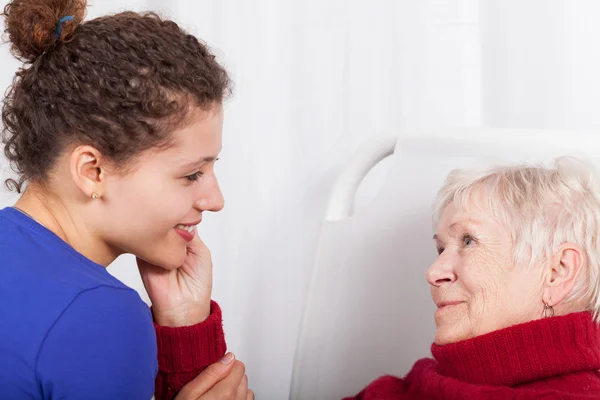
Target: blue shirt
<point>68,329</point>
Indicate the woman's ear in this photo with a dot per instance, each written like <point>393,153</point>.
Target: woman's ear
<point>86,167</point>
<point>562,273</point>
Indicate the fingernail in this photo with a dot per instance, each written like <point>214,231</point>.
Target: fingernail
<point>227,358</point>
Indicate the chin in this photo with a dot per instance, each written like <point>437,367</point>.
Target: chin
<point>170,265</point>
<point>168,257</point>
<point>448,334</point>
<point>173,262</point>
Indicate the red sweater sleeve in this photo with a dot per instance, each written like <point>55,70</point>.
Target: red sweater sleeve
<point>384,388</point>
<point>183,352</point>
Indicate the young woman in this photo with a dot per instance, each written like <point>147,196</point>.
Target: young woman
<point>113,127</point>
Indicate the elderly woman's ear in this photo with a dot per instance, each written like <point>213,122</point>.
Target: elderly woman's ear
<point>561,276</point>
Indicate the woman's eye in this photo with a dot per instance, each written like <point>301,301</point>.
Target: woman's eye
<point>194,177</point>
<point>440,250</point>
<point>468,240</point>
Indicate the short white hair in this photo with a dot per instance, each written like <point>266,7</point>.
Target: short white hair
<point>543,207</point>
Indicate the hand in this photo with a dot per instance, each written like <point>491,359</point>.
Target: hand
<point>180,297</point>
<point>223,380</point>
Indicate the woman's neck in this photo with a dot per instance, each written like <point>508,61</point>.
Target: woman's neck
<point>523,353</point>
<point>65,222</point>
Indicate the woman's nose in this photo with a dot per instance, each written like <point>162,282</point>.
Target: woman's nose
<point>441,271</point>
<point>211,199</point>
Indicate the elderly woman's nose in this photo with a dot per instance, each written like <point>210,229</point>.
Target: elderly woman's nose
<point>441,271</point>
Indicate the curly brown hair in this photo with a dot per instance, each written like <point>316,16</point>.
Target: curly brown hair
<point>121,83</point>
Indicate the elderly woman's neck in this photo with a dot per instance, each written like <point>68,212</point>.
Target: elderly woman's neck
<point>571,306</point>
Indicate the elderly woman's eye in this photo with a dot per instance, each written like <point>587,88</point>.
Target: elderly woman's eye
<point>468,240</point>
<point>440,250</point>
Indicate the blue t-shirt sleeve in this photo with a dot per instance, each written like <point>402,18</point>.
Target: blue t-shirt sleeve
<point>103,346</point>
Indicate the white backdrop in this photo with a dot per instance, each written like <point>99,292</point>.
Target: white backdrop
<point>315,79</point>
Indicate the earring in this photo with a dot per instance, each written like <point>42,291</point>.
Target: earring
<point>548,311</point>
<point>94,196</point>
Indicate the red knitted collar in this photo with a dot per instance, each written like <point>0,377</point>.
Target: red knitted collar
<point>524,353</point>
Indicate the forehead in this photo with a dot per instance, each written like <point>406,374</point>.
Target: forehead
<point>454,215</point>
<point>470,216</point>
<point>200,137</point>
<point>203,128</point>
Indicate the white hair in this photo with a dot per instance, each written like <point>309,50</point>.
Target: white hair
<point>543,207</point>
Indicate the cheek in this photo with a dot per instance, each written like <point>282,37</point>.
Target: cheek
<point>146,211</point>
<point>497,291</point>
<point>485,275</point>
<point>156,242</point>
<point>139,217</point>
<point>525,293</point>
<point>164,202</point>
<point>484,279</point>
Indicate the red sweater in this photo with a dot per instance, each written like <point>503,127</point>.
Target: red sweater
<point>551,358</point>
<point>184,352</point>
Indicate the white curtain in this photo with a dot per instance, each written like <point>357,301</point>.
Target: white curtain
<point>315,79</point>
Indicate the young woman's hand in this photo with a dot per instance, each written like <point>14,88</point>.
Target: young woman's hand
<point>180,297</point>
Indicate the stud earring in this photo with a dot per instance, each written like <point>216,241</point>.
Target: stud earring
<point>94,196</point>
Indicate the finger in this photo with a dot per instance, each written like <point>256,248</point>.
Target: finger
<point>250,395</point>
<point>227,388</point>
<point>208,378</point>
<point>242,392</point>
<point>196,246</point>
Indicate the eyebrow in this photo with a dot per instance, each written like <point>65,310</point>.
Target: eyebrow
<point>201,161</point>
<point>464,223</point>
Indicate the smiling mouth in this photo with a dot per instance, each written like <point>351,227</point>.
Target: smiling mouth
<point>449,304</point>
<point>188,228</point>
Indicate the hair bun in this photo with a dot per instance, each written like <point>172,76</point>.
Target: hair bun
<point>32,25</point>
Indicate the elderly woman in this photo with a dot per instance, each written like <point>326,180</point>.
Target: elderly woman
<point>517,288</point>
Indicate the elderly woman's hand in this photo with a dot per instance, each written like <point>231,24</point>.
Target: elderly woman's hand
<point>223,380</point>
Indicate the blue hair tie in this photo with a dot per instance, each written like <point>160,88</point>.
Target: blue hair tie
<point>59,26</point>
